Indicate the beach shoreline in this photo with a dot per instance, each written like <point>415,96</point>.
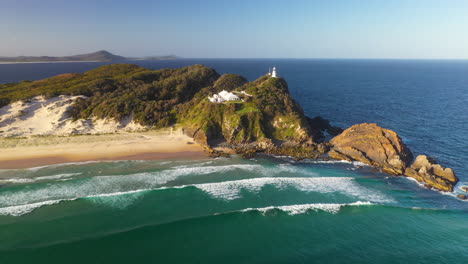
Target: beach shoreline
<point>17,153</point>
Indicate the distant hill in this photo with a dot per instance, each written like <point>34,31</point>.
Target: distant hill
<point>95,56</point>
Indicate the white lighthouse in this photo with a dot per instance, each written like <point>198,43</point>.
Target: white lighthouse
<point>273,73</point>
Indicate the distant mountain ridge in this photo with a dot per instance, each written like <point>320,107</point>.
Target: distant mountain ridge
<point>101,55</point>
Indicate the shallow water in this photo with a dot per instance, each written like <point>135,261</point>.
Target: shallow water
<point>266,210</point>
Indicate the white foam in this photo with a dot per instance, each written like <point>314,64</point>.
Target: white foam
<point>421,184</point>
<point>119,185</point>
<point>18,210</point>
<point>62,165</point>
<point>42,178</point>
<point>303,208</point>
<point>354,163</point>
<point>293,169</point>
<point>329,161</point>
<point>104,185</point>
<point>230,190</point>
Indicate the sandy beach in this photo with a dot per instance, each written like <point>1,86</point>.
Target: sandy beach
<point>47,150</point>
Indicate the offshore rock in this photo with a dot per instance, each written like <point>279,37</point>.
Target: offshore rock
<point>373,145</point>
<point>462,196</point>
<point>426,170</point>
<point>464,188</point>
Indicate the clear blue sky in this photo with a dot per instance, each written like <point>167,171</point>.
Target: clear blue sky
<point>237,28</point>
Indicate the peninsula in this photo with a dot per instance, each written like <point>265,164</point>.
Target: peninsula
<point>102,56</point>
<point>219,112</point>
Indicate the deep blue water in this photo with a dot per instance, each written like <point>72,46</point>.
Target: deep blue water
<point>266,210</point>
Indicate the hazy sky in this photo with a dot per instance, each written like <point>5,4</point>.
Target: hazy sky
<point>237,28</point>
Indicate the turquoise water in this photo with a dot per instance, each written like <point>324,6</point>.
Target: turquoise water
<point>266,210</point>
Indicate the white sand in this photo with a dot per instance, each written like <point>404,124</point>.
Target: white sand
<point>40,116</point>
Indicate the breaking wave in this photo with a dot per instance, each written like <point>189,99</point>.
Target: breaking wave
<point>232,189</point>
<point>115,190</point>
<point>17,210</point>
<point>42,178</point>
<point>304,208</point>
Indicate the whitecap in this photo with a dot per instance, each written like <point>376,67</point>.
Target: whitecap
<point>41,178</point>
<point>354,163</point>
<point>303,208</point>
<point>230,190</point>
<point>100,187</point>
<point>17,210</point>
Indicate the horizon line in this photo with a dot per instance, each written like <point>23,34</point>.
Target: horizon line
<point>324,58</point>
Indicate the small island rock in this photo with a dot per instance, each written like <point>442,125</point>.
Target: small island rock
<point>373,145</point>
<point>426,170</point>
<point>462,196</point>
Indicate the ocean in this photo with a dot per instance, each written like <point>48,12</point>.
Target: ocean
<point>267,209</point>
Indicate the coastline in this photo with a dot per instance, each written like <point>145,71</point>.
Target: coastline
<point>17,153</point>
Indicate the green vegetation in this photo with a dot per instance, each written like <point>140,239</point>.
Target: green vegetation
<point>270,113</point>
<point>118,90</point>
<point>169,96</point>
<point>229,82</point>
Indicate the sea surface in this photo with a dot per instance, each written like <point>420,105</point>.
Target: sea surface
<point>267,209</point>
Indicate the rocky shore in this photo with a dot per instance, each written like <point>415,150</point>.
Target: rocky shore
<point>366,143</point>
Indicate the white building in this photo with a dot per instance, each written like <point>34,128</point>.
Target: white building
<point>272,73</point>
<point>223,96</point>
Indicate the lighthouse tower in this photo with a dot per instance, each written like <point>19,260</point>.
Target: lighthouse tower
<point>273,73</point>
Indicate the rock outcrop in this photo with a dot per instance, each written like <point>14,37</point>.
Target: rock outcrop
<point>426,170</point>
<point>383,148</point>
<point>373,145</point>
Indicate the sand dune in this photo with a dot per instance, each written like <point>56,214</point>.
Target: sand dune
<point>41,116</point>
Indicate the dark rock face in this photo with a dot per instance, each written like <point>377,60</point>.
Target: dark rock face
<point>373,145</point>
<point>318,125</point>
<point>426,170</point>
